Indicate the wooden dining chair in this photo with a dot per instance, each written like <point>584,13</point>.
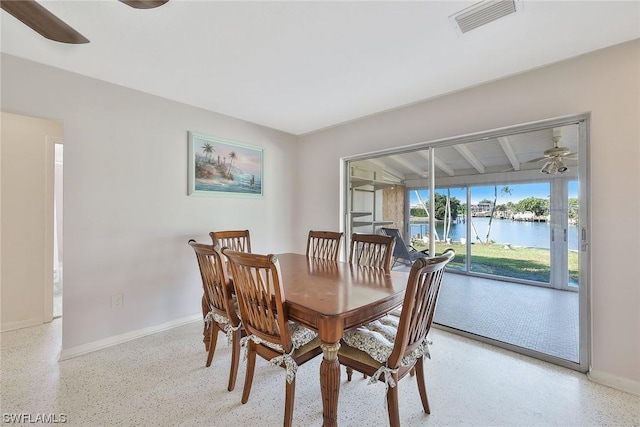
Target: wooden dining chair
<point>221,316</point>
<point>236,240</point>
<point>372,250</point>
<point>270,334</point>
<point>324,244</point>
<point>389,348</point>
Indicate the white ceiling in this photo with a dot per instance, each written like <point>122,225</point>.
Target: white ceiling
<point>304,66</point>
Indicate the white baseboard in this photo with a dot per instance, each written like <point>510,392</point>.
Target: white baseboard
<point>132,335</point>
<point>12,326</point>
<point>613,381</point>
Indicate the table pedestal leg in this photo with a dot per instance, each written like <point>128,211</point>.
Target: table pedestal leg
<point>330,384</point>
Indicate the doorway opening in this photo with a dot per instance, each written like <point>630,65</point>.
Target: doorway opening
<point>57,230</point>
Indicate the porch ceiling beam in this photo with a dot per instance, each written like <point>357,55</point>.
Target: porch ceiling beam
<point>508,150</point>
<point>440,164</point>
<point>469,157</point>
<point>407,164</point>
<point>386,168</point>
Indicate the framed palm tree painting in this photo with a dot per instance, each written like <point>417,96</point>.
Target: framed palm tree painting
<point>221,167</point>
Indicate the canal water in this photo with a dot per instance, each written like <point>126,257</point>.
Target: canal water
<point>517,233</point>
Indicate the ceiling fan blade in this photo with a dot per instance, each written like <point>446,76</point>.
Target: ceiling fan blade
<point>539,159</point>
<point>144,4</point>
<point>42,21</point>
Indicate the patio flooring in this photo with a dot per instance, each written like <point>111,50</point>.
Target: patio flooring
<point>536,318</point>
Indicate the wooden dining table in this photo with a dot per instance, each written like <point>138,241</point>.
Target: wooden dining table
<point>331,297</point>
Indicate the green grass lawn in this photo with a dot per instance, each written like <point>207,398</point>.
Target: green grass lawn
<point>517,262</point>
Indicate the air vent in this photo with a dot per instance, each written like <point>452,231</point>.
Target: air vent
<point>482,13</point>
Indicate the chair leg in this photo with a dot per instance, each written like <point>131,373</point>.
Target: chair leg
<point>422,387</point>
<point>392,404</point>
<point>350,372</point>
<point>205,332</point>
<point>251,366</point>
<point>213,340</point>
<point>288,403</point>
<point>235,359</point>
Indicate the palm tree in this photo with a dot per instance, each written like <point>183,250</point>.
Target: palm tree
<point>447,215</point>
<point>493,210</point>
<point>232,156</point>
<point>208,150</point>
<point>504,190</point>
<point>425,206</point>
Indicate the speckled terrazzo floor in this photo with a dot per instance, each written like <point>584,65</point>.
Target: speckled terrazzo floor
<point>160,380</point>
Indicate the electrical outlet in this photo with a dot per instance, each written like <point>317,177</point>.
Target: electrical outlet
<point>116,301</point>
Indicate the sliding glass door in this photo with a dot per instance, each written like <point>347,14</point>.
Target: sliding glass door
<point>509,203</point>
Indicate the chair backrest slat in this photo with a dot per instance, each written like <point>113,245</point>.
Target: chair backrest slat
<point>258,284</point>
<point>215,281</point>
<point>324,244</point>
<point>236,240</point>
<point>372,250</point>
<point>419,304</point>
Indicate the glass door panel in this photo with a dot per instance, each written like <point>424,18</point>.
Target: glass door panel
<point>450,219</point>
<point>510,231</point>
<point>573,236</point>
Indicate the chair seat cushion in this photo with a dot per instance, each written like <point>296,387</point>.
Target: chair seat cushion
<point>300,335</point>
<point>303,340</point>
<point>377,339</point>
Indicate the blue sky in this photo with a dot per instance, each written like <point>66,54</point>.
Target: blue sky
<point>518,192</point>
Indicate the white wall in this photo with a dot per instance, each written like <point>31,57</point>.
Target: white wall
<point>127,216</point>
<point>23,153</point>
<point>605,83</point>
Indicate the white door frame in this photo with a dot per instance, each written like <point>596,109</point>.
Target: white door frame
<point>49,194</point>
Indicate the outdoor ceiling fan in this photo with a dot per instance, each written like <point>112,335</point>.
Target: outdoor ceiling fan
<point>554,158</point>
<point>45,23</point>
